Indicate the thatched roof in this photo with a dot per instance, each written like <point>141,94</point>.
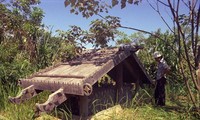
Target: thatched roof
<point>87,69</point>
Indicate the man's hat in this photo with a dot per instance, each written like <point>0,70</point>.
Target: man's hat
<point>157,54</point>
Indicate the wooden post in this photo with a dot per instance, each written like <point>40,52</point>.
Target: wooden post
<point>119,78</point>
<point>83,106</point>
<point>119,82</point>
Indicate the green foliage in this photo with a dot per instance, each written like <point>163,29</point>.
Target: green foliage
<point>46,50</point>
<point>14,64</point>
<point>92,7</point>
<point>135,38</point>
<point>71,42</point>
<point>101,32</point>
<point>104,30</point>
<point>37,15</point>
<point>18,112</point>
<point>122,38</point>
<point>20,19</point>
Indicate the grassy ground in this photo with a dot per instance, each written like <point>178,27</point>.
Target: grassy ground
<point>149,112</point>
<point>141,108</point>
<point>23,111</point>
<point>146,112</point>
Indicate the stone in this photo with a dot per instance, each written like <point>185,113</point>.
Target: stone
<point>108,113</point>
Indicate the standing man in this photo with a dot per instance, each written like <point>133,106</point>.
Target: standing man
<point>162,70</point>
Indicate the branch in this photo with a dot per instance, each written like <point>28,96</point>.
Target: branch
<point>191,8</point>
<point>160,15</point>
<point>156,36</point>
<point>187,85</point>
<point>140,31</point>
<point>197,36</point>
<point>163,3</point>
<point>180,32</point>
<point>185,3</point>
<point>175,23</point>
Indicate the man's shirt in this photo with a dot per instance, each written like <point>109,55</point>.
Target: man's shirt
<point>162,67</point>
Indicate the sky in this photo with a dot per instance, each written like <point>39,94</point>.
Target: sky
<point>141,16</point>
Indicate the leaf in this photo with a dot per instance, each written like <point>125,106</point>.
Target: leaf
<point>87,15</point>
<point>91,13</point>
<point>123,4</point>
<point>73,2</point>
<point>80,9</point>
<point>66,3</point>
<point>123,1</point>
<point>90,8</point>
<point>83,14</point>
<point>76,13</point>
<point>130,1</point>
<point>81,5</point>
<point>114,2</point>
<point>136,2</point>
<point>72,11</point>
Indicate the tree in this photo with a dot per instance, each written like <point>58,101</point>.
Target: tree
<point>89,8</point>
<point>186,41</point>
<point>185,30</point>
<point>21,19</point>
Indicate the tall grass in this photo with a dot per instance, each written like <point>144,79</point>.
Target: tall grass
<point>4,92</point>
<point>23,111</point>
<point>139,108</point>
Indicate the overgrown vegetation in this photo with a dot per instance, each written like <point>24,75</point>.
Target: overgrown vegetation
<point>26,47</point>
